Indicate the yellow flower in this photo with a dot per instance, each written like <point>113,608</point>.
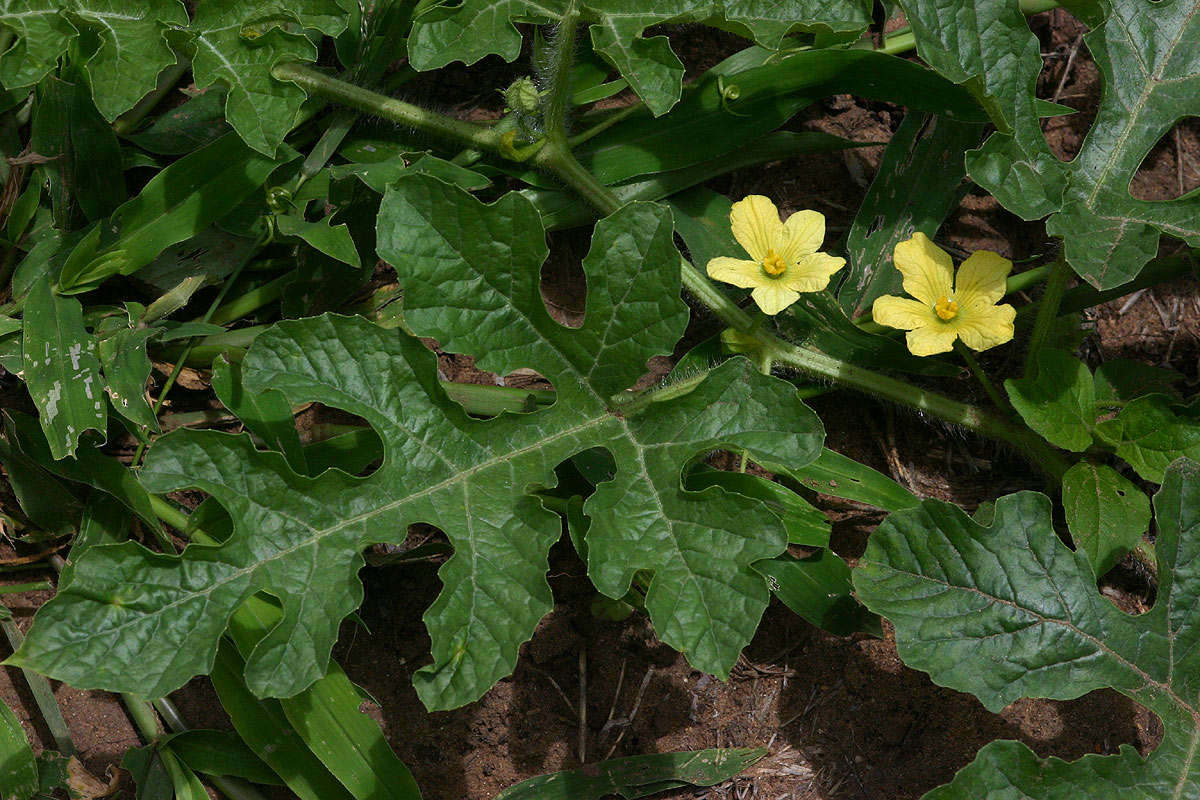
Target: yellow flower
<point>783,255</point>
<point>944,312</point>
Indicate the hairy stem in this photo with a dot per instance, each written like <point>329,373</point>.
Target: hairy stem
<point>988,387</point>
<point>1056,287</point>
<point>389,108</point>
<point>558,74</point>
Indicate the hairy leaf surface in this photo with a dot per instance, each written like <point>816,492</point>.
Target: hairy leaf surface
<point>1008,611</point>
<point>132,620</point>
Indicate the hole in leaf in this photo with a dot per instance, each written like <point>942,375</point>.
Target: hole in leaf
<point>522,390</point>
<point>335,439</point>
<point>875,225</point>
<point>1069,77</point>
<point>1172,167</point>
<point>421,543</point>
<point>564,286</point>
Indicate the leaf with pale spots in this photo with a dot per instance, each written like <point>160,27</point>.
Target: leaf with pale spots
<point>1008,611</point>
<point>62,370</point>
<point>135,621</point>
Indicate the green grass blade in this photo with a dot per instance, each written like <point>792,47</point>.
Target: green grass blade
<point>265,728</point>
<point>18,770</point>
<point>326,717</point>
<point>637,776</point>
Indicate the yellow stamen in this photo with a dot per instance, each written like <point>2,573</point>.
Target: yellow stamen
<point>773,264</point>
<point>946,308</point>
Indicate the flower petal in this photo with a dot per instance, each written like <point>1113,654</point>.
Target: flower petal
<point>756,225</point>
<point>900,312</point>
<point>982,327</point>
<point>737,271</point>
<point>981,277</point>
<point>927,269</point>
<point>812,272</point>
<point>803,233</point>
<point>773,297</point>
<point>930,340</point>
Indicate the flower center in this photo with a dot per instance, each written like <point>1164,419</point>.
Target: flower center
<point>946,308</point>
<point>773,264</point>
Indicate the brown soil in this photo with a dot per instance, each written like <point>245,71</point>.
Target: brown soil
<point>842,718</point>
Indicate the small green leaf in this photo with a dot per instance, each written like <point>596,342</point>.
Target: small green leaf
<point>1153,431</point>
<point>221,753</point>
<point>18,769</point>
<point>89,466</point>
<point>149,773</point>
<point>1122,380</point>
<point>637,776</point>
<point>385,162</point>
<point>1008,611</point>
<point>805,524</point>
<point>264,727</point>
<point>1106,513</point>
<point>267,414</point>
<point>1057,400</point>
<point>359,755</point>
<point>200,120</point>
<point>187,785</point>
<point>332,240</point>
<point>43,35</point>
<point>835,474</point>
<point>62,371</point>
<point>44,499</point>
<point>86,154</point>
<point>122,348</point>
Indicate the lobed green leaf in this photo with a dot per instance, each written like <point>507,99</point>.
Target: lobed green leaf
<point>1008,611</point>
<point>1146,53</point>
<point>471,275</point>
<point>132,47</point>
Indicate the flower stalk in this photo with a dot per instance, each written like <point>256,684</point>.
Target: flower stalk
<point>1056,287</point>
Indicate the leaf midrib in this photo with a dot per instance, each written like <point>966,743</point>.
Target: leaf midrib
<point>1164,687</point>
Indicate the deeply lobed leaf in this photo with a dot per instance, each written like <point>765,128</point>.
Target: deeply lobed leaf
<point>132,45</point>
<point>1008,611</point>
<point>135,621</point>
<point>1150,61</point>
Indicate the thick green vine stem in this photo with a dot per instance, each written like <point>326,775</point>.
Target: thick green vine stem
<point>388,107</point>
<point>558,74</point>
<point>556,158</point>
